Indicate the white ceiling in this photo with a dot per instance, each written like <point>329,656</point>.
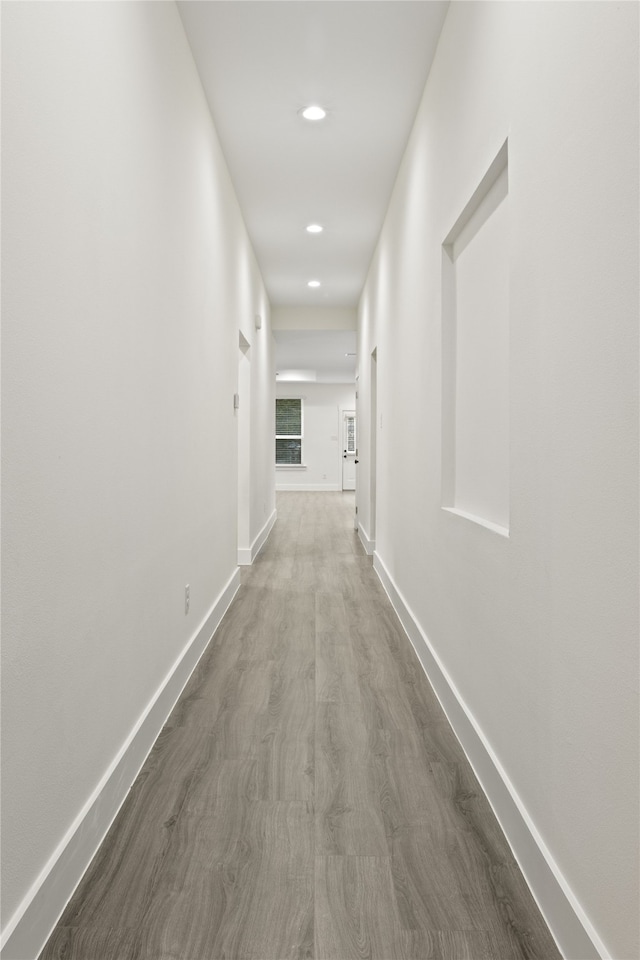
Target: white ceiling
<point>367,64</point>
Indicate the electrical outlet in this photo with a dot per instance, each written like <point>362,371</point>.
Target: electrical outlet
<point>187,598</point>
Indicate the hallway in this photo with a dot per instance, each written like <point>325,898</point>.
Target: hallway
<point>307,797</point>
<point>438,201</point>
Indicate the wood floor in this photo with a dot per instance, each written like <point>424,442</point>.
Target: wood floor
<point>306,798</point>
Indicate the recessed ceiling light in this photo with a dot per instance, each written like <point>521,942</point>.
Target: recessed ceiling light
<point>313,283</point>
<point>314,113</point>
<point>314,228</point>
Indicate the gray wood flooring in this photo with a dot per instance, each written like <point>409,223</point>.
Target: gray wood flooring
<point>306,798</point>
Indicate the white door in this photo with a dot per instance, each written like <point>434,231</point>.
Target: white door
<point>373,427</point>
<point>349,450</point>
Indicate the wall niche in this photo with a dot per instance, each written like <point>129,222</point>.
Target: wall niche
<point>475,354</point>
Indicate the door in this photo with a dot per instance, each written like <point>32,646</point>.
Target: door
<point>349,450</point>
<point>373,438</point>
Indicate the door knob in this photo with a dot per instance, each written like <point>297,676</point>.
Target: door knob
<point>356,461</point>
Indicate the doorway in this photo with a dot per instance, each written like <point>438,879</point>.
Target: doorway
<point>243,409</point>
<point>373,422</point>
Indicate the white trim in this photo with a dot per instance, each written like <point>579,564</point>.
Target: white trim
<point>301,487</point>
<point>30,927</point>
<point>368,544</point>
<point>566,919</point>
<point>291,466</point>
<point>246,555</point>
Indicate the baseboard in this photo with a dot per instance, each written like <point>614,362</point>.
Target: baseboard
<point>368,544</point>
<point>28,930</point>
<point>567,921</point>
<point>308,487</point>
<point>247,555</point>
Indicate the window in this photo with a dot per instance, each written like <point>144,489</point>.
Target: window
<point>288,432</point>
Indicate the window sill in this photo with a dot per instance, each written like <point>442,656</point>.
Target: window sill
<point>495,527</point>
<point>291,466</point>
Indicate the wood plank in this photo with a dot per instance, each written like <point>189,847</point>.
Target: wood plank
<point>355,910</point>
<point>348,817</point>
<point>245,890</point>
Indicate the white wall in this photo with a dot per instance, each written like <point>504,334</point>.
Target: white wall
<point>314,318</point>
<point>127,273</point>
<point>322,441</point>
<point>538,631</point>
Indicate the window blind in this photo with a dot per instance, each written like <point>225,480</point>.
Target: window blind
<point>288,418</point>
<point>289,431</point>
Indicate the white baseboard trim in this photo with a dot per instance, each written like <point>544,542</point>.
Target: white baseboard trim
<point>368,544</point>
<point>308,487</point>
<point>246,555</point>
<point>567,921</point>
<point>30,927</point>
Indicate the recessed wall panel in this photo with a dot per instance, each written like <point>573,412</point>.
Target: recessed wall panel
<point>476,355</point>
